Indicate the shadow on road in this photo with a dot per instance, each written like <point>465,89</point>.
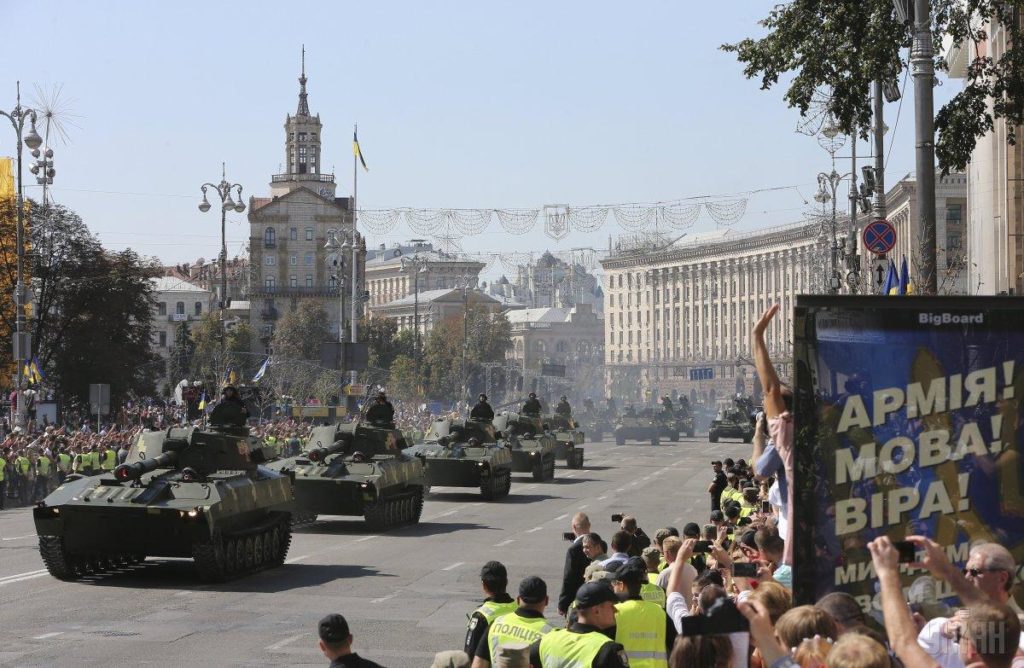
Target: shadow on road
<point>570,481</point>
<point>357,528</point>
<point>181,574</point>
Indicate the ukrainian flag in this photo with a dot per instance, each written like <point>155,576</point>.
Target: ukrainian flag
<point>356,151</point>
<point>892,280</point>
<point>202,402</point>
<point>905,286</point>
<point>37,370</point>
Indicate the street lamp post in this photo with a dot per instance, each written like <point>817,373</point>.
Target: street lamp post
<point>415,266</point>
<point>22,341</point>
<point>463,283</point>
<point>223,190</point>
<point>336,263</point>
<point>828,185</point>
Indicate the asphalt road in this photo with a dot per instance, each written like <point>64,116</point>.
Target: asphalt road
<point>405,593</point>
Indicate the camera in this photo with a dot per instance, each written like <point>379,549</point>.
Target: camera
<point>569,536</point>
<point>766,507</point>
<point>617,517</point>
<point>906,550</point>
<point>722,617</point>
<point>702,547</point>
<point>744,569</point>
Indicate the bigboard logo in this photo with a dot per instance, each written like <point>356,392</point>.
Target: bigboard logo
<point>937,319</point>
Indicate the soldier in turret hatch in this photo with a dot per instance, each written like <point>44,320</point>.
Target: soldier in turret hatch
<point>563,408</point>
<point>230,409</point>
<point>532,405</point>
<point>381,412</point>
<point>482,410</point>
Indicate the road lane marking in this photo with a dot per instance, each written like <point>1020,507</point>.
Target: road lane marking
<point>21,575</point>
<point>52,634</point>
<point>295,560</point>
<point>364,539</point>
<point>584,506</point>
<point>22,579</point>
<point>602,498</point>
<point>504,543</point>
<point>287,641</point>
<point>570,475</point>
<point>384,598</point>
<point>31,535</point>
<point>561,517</point>
<point>534,529</point>
<point>453,566</point>
<point>450,512</point>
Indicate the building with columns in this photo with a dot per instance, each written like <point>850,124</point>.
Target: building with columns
<point>387,283</point>
<point>288,230</point>
<point>687,311</point>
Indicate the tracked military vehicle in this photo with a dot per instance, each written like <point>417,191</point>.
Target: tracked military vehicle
<point>460,453</point>
<point>595,425</point>
<point>357,468</point>
<point>531,446</point>
<point>633,427</point>
<point>732,421</point>
<point>568,440</point>
<point>183,492</point>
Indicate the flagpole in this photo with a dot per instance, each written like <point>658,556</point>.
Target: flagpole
<point>355,244</point>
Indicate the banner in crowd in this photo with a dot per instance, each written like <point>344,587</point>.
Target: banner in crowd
<point>908,422</point>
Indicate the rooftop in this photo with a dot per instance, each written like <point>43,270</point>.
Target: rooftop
<point>549,314</point>
<point>174,284</point>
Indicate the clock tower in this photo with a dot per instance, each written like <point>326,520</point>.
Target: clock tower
<point>303,133</point>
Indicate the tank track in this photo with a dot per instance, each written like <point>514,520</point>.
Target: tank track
<point>243,552</point>
<point>545,469</point>
<point>575,458</point>
<point>65,565</point>
<point>303,518</point>
<point>393,511</point>
<point>496,486</point>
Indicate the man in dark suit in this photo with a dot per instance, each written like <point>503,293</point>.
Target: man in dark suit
<point>575,563</point>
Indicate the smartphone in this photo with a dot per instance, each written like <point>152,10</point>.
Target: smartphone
<point>702,547</point>
<point>569,536</point>
<point>617,517</point>
<point>744,570</point>
<point>723,617</point>
<point>906,550</point>
<point>766,507</point>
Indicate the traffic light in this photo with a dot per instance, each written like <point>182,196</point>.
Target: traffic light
<point>865,198</point>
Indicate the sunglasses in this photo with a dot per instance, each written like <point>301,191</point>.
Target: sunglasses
<point>975,572</point>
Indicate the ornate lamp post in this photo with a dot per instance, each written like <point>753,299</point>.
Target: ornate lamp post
<point>22,340</point>
<point>223,190</point>
<point>336,265</point>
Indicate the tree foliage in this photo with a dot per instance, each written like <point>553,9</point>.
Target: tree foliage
<point>385,342</point>
<point>839,47</point>
<point>300,333</point>
<point>489,337</point>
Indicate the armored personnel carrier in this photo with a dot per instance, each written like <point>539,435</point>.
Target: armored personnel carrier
<point>637,427</point>
<point>466,454</point>
<point>568,440</point>
<point>595,424</point>
<point>531,446</point>
<point>357,468</point>
<point>183,492</point>
<point>731,421</point>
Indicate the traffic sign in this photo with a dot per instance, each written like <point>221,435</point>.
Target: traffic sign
<point>879,236</point>
<point>879,267</point>
<point>702,373</point>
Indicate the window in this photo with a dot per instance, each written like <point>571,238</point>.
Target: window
<point>312,136</point>
<point>270,260</point>
<point>293,281</point>
<point>199,308</point>
<point>179,308</point>
<point>293,260</point>
<point>269,283</point>
<point>309,234</point>
<point>270,237</point>
<point>308,260</point>
<point>302,136</point>
<point>161,308</point>
<point>309,280</point>
<point>293,233</point>
<point>163,339</point>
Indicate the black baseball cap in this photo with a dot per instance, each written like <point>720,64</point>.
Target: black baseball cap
<point>716,462</point>
<point>533,590</point>
<point>691,530</point>
<point>633,569</point>
<point>595,593</point>
<point>717,516</point>
<point>494,569</point>
<point>728,461</point>
<point>333,629</point>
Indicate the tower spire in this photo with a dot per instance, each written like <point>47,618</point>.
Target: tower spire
<point>303,104</point>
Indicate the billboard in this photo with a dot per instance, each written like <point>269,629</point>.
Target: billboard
<point>907,421</point>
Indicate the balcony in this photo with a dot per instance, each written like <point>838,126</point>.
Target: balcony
<point>294,291</point>
<point>319,178</point>
<point>182,317</point>
<point>269,243</point>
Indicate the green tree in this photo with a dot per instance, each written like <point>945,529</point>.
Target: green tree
<point>300,333</point>
<point>385,342</point>
<point>207,361</point>
<point>488,339</point>
<point>402,382</point>
<point>181,354</point>
<point>840,46</point>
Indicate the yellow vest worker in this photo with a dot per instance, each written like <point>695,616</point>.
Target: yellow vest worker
<point>641,627</point>
<point>64,462</point>
<point>43,465</point>
<point>494,582</point>
<point>21,465</point>
<point>3,471</point>
<point>583,645</point>
<point>650,591</point>
<point>524,626</point>
<point>109,462</point>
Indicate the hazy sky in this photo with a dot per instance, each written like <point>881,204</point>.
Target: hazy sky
<point>459,104</point>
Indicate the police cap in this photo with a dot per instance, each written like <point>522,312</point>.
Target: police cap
<point>595,593</point>
<point>633,569</point>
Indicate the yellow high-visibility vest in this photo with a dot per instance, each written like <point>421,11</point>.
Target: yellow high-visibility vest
<point>640,629</point>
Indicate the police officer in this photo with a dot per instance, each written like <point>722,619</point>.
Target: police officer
<point>22,465</point>
<point>642,627</point>
<point>108,460</point>
<point>482,410</point>
<point>63,465</point>
<point>336,644</point>
<point>649,589</point>
<point>563,408</point>
<point>523,625</point>
<point>532,405</point>
<point>494,582</point>
<point>44,465</point>
<point>584,643</point>
<point>381,412</point>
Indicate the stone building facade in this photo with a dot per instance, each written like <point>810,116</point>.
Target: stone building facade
<point>690,308</point>
<point>288,231</point>
<point>573,337</point>
<point>386,282</point>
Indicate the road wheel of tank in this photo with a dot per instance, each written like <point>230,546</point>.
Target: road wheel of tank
<point>578,459</point>
<point>417,505</point>
<point>674,437</point>
<point>488,488</point>
<point>210,560</point>
<point>374,512</point>
<point>504,484</point>
<point>248,553</point>
<point>713,437</point>
<point>655,441</point>
<point>539,470</point>
<point>58,562</point>
<point>257,550</point>
<point>282,535</point>
<point>231,556</point>
<point>619,440</point>
<point>549,469</point>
